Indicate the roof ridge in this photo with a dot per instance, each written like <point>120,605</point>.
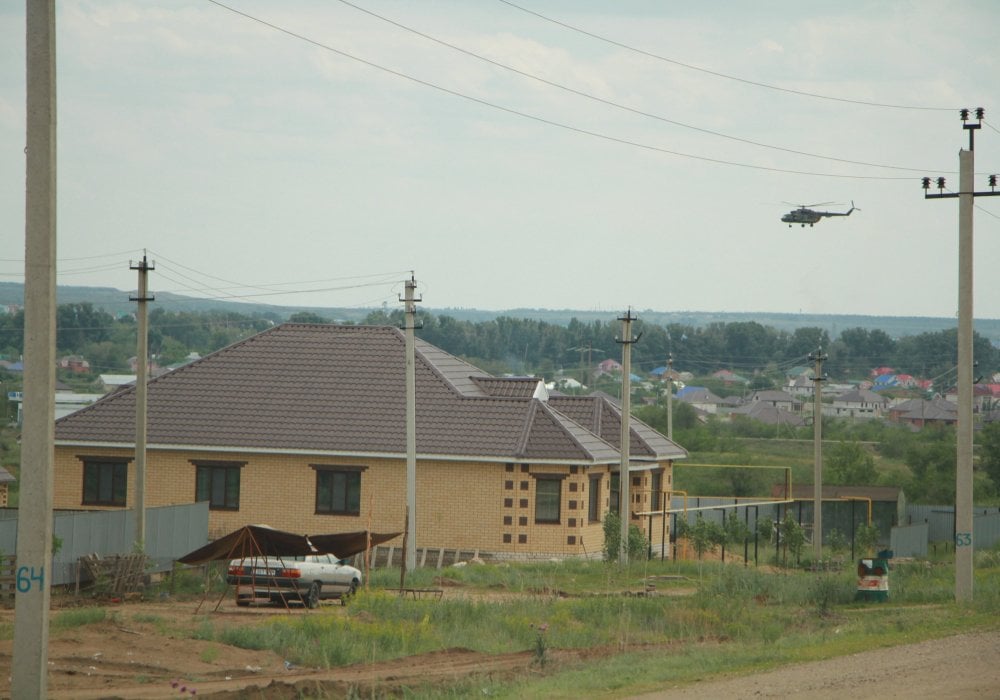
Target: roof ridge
<point>560,416</point>
<point>529,421</point>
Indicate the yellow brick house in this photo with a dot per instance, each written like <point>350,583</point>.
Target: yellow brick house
<point>302,427</point>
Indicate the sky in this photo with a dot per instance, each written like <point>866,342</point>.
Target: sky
<point>547,154</point>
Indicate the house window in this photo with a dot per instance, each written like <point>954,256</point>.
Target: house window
<point>105,482</point>
<point>219,484</point>
<point>548,492</point>
<point>338,491</point>
<point>614,495</point>
<point>594,500</point>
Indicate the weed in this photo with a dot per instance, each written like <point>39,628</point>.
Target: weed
<point>828,591</point>
<point>541,647</point>
<point>209,655</point>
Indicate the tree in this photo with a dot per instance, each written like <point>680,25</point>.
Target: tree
<point>932,461</point>
<point>989,451</point>
<point>704,535</point>
<point>793,536</point>
<point>804,341</point>
<point>866,537</point>
<point>307,317</point>
<point>850,464</point>
<point>79,324</point>
<point>735,530</point>
<point>765,529</point>
<point>837,542</point>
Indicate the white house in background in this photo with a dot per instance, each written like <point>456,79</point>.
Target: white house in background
<point>563,383</point>
<point>116,381</point>
<point>800,386</point>
<point>700,397</point>
<point>859,403</point>
<point>66,402</point>
<point>778,399</point>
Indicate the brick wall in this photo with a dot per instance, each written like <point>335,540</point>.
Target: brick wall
<point>484,506</point>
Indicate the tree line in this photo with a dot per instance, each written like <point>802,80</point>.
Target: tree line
<point>526,346</point>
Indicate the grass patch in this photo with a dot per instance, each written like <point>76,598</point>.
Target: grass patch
<point>69,619</point>
<point>737,619</point>
<point>209,655</point>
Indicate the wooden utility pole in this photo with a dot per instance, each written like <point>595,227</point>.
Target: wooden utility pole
<point>141,380</point>
<point>410,312</point>
<point>818,357</point>
<point>963,431</point>
<point>32,578</point>
<point>625,505</point>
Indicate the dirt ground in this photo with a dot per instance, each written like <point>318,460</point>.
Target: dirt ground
<point>129,656</point>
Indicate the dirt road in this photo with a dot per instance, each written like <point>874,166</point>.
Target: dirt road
<point>959,667</point>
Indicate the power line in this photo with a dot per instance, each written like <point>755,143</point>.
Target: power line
<point>618,105</point>
<point>392,275</point>
<point>543,120</point>
<point>717,74</point>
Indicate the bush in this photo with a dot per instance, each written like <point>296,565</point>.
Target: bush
<point>638,545</point>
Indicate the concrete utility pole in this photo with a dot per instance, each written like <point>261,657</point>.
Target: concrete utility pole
<point>141,379</point>
<point>410,311</point>
<point>624,506</point>
<point>963,471</point>
<point>670,396</point>
<point>818,357</point>
<point>34,520</point>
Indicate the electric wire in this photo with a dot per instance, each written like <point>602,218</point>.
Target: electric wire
<point>717,74</point>
<point>268,287</point>
<point>626,108</point>
<point>544,120</point>
<point>223,293</point>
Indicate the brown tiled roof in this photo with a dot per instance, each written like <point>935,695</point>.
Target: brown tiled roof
<point>341,390</point>
<point>601,415</point>
<point>516,387</point>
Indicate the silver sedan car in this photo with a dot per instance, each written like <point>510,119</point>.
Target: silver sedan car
<point>304,579</point>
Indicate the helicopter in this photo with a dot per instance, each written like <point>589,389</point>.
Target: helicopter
<point>804,215</point>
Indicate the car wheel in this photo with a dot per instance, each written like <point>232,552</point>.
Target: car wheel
<point>350,591</point>
<point>312,597</point>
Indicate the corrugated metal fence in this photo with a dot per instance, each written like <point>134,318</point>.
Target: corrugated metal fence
<point>171,532</point>
<point>940,522</point>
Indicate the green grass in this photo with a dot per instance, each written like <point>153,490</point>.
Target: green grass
<point>79,617</point>
<point>737,619</point>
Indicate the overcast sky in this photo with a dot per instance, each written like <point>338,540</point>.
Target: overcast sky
<point>540,153</point>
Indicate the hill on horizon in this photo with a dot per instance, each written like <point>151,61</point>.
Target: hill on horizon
<point>116,301</point>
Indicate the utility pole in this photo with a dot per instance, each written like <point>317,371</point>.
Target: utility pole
<point>818,357</point>
<point>34,519</point>
<point>624,505</point>
<point>410,313</point>
<point>670,396</point>
<point>963,472</point>
<point>141,379</point>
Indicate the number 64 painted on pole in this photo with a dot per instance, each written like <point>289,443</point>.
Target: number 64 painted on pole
<point>26,577</point>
